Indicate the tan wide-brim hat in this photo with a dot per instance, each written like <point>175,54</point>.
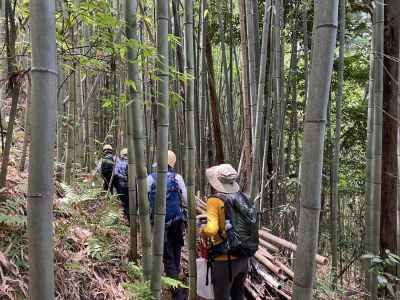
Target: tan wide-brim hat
<point>171,159</point>
<point>107,147</point>
<point>223,178</point>
<point>124,152</point>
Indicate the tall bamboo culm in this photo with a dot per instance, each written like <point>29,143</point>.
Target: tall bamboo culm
<point>135,117</point>
<point>130,19</point>
<point>369,179</point>
<point>374,200</point>
<point>336,153</point>
<point>162,144</point>
<point>257,158</point>
<point>191,146</point>
<point>40,182</point>
<point>324,40</point>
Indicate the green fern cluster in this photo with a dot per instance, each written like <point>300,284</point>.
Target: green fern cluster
<point>97,249</point>
<point>139,288</point>
<point>11,213</point>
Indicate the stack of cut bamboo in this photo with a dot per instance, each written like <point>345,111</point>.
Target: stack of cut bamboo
<point>270,276</point>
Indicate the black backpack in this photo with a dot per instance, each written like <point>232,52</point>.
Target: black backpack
<point>242,233</point>
<point>107,164</point>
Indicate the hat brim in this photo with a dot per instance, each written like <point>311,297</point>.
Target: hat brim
<point>227,188</point>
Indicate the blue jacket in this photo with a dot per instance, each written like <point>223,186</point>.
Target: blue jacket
<point>121,171</point>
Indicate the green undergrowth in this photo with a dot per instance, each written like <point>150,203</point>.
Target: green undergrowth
<point>91,241</point>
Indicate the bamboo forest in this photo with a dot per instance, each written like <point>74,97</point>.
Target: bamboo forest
<point>199,149</point>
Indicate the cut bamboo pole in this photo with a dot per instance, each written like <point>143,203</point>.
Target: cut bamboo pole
<point>267,263</point>
<point>268,246</point>
<point>255,294</point>
<point>289,245</point>
<point>270,281</point>
<point>287,270</point>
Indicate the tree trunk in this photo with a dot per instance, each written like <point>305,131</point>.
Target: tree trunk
<point>135,122</point>
<point>255,174</point>
<point>389,146</point>
<point>374,201</point>
<point>253,76</point>
<point>324,39</point>
<point>26,128</point>
<point>369,158</point>
<point>13,87</point>
<point>3,73</point>
<point>336,153</point>
<point>70,155</point>
<point>219,148</point>
<point>230,137</point>
<point>40,182</point>
<point>245,170</point>
<point>204,96</point>
<point>162,145</point>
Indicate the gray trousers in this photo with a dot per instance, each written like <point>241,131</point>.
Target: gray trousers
<point>224,288</point>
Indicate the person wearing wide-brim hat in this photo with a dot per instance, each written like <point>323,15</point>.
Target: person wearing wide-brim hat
<point>228,273</point>
<point>175,218</point>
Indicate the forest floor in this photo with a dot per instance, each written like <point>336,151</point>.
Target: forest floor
<point>90,246</point>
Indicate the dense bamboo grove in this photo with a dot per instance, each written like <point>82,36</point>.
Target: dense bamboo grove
<point>301,97</point>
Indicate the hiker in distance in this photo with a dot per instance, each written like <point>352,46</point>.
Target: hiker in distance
<point>121,181</point>
<point>175,219</point>
<point>232,229</point>
<point>106,167</point>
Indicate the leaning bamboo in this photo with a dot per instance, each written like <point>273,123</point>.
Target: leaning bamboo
<point>289,245</point>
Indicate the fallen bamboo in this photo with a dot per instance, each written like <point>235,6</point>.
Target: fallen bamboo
<point>277,263</point>
<point>268,264</point>
<point>268,246</point>
<point>251,290</point>
<point>289,245</point>
<point>285,269</point>
<point>266,254</point>
<point>271,281</point>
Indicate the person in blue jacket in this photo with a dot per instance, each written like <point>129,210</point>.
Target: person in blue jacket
<point>175,218</point>
<point>121,181</point>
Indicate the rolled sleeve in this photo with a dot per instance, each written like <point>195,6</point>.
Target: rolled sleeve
<point>150,181</point>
